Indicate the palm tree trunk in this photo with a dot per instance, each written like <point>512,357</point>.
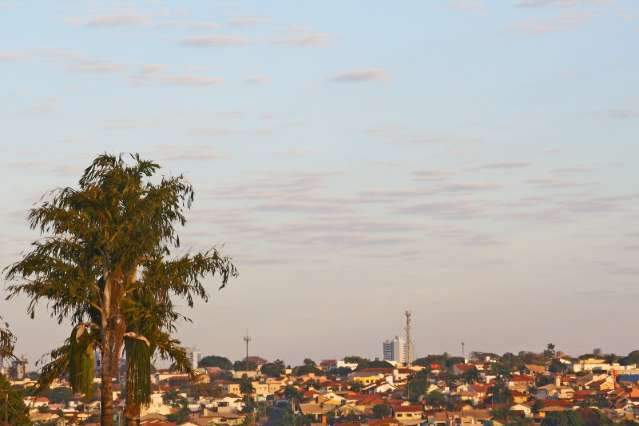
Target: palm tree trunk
<point>132,412</point>
<point>106,386</point>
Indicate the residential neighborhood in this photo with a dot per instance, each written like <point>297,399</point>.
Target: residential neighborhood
<point>527,388</point>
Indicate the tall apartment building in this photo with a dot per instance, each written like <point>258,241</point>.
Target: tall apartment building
<point>193,357</point>
<point>395,350</point>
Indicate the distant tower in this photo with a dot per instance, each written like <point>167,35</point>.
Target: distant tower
<point>464,351</point>
<point>247,340</point>
<point>409,342</point>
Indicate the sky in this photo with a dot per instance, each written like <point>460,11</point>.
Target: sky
<point>472,161</point>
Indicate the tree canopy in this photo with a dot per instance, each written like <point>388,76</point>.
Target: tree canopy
<point>216,361</point>
<point>106,264</point>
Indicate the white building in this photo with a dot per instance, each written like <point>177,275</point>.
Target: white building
<point>395,350</point>
<point>193,357</point>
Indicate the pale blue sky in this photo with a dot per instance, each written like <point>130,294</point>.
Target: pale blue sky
<point>474,161</point>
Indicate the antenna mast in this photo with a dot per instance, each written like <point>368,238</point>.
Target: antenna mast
<point>247,339</point>
<point>409,342</point>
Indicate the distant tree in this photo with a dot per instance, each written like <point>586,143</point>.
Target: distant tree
<point>353,359</point>
<point>198,390</point>
<point>59,395</point>
<point>563,418</point>
<point>382,410</point>
<point>416,388</point>
<point>592,417</point>
<point>556,366</point>
<point>181,415</point>
<point>435,399</point>
<point>340,371</point>
<point>423,362</point>
<point>597,352</point>
<point>631,358</point>
<point>454,360</point>
<point>377,364</point>
<point>308,368</point>
<point>550,351</point>
<point>216,361</point>
<point>273,369</point>
<point>243,365</point>
<point>500,394</point>
<point>11,405</point>
<point>246,385</point>
<point>471,375</point>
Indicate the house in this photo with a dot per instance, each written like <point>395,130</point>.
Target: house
<point>409,414</point>
<point>521,409</point>
<point>230,387</point>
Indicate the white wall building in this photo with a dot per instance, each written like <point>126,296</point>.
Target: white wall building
<point>395,350</point>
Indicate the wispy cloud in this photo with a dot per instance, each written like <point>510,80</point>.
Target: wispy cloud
<point>504,165</point>
<point>363,75</point>
<point>43,106</point>
<point>10,56</point>
<point>249,21</point>
<point>118,20</point>
<point>97,67</point>
<point>622,114</point>
<point>542,3</point>
<point>562,22</point>
<point>191,80</point>
<point>257,79</point>
<point>215,41</point>
<point>303,39</point>
<point>187,153</point>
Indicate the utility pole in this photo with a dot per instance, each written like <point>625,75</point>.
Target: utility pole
<point>463,351</point>
<point>247,340</point>
<point>409,342</point>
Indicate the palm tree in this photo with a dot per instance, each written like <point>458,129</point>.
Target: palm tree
<point>105,240</point>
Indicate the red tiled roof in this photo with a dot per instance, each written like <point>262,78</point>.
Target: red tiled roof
<point>409,409</point>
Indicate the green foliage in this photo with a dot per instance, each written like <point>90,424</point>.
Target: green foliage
<point>631,358</point>
<point>244,366</point>
<point>382,410</point>
<point>556,366</point>
<point>198,390</point>
<point>105,264</point>
<point>353,359</point>
<point>273,369</point>
<point>500,394</point>
<point>592,417</point>
<point>563,418</point>
<point>435,399</point>
<point>59,395</point>
<point>7,340</point>
<point>416,388</point>
<point>216,361</point>
<point>11,405</point>
<point>246,385</point>
<point>180,416</point>
<point>309,367</point>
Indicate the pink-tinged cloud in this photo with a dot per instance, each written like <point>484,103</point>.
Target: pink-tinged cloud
<point>191,80</point>
<point>118,20</point>
<point>215,41</point>
<point>360,76</point>
<point>98,67</point>
<point>563,22</point>
<point>541,3</point>
<point>249,21</point>
<point>303,39</point>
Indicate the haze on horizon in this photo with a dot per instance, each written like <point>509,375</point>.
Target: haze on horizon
<point>473,161</point>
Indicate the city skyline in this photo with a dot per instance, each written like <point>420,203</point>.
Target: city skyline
<point>471,161</point>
